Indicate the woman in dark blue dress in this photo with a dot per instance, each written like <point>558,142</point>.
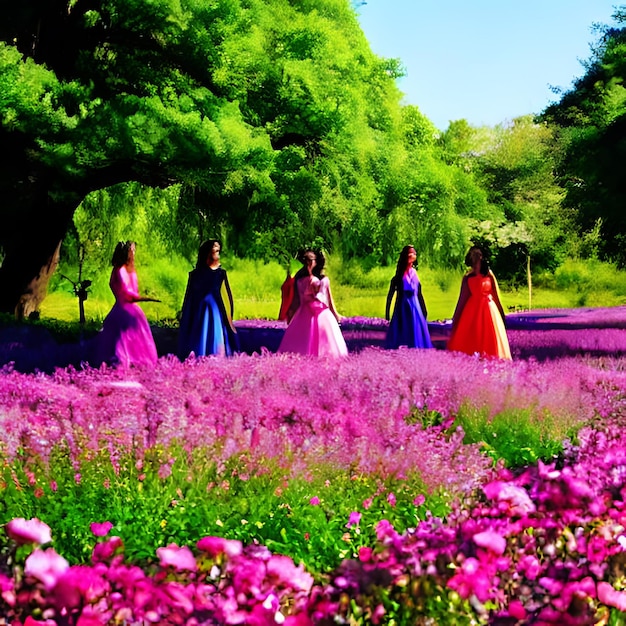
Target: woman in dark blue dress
<point>408,325</point>
<point>205,326</point>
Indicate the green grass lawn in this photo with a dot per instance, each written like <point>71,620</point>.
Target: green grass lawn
<point>256,291</point>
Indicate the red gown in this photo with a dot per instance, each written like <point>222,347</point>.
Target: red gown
<point>480,327</point>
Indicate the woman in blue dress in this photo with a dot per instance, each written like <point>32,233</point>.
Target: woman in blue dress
<point>408,325</point>
<point>205,326</point>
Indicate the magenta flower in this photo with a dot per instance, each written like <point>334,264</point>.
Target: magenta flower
<point>180,558</point>
<point>513,499</point>
<point>391,498</point>
<point>490,540</point>
<point>286,571</point>
<point>46,566</point>
<point>79,585</point>
<point>609,596</point>
<point>385,529</point>
<point>517,610</point>
<point>100,529</point>
<point>28,531</point>
<point>219,545</point>
<point>31,621</point>
<point>419,500</point>
<point>102,552</point>
<point>365,554</point>
<point>353,519</point>
<point>597,549</point>
<point>469,579</point>
<point>314,501</point>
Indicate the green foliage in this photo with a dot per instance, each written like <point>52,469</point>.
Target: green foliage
<point>168,496</point>
<point>590,275</point>
<point>518,438</point>
<point>591,120</point>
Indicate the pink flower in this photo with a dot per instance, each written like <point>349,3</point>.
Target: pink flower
<point>367,503</point>
<point>365,554</point>
<point>314,501</point>
<point>77,586</point>
<point>31,621</point>
<point>176,557</point>
<point>517,610</point>
<point>490,540</point>
<point>391,498</point>
<point>419,500</point>
<point>609,596</point>
<point>46,566</point>
<point>28,531</point>
<point>354,519</point>
<point>530,566</point>
<point>218,545</point>
<point>285,570</point>
<point>470,579</point>
<point>515,499</point>
<point>100,529</point>
<point>102,552</point>
<point>385,529</point>
<point>597,550</point>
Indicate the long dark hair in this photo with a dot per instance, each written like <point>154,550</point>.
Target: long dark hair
<point>484,264</point>
<point>203,252</point>
<point>121,253</point>
<point>403,260</point>
<point>320,261</point>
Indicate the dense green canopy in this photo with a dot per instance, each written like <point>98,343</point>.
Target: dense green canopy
<point>591,118</point>
<point>268,123</point>
<point>274,118</point>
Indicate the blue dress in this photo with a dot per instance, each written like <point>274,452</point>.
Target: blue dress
<point>205,328</point>
<point>408,325</point>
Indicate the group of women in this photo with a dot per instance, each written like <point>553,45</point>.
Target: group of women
<point>206,326</point>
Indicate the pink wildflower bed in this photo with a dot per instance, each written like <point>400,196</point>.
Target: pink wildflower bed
<point>542,546</point>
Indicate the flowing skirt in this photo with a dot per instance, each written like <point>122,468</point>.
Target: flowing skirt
<point>480,330</point>
<point>126,338</point>
<point>314,331</point>
<point>210,332</point>
<point>408,327</point>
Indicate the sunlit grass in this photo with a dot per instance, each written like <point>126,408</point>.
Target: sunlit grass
<point>256,290</point>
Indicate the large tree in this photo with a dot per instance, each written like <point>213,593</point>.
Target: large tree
<point>237,99</point>
<point>591,119</point>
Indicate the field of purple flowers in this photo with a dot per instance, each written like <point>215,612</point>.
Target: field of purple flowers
<point>268,489</point>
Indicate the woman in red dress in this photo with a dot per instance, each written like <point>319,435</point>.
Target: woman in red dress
<point>478,321</point>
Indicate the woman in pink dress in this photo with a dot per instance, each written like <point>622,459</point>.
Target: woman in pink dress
<point>126,338</point>
<point>314,327</point>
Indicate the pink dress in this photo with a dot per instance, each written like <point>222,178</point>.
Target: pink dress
<point>126,338</point>
<point>313,329</point>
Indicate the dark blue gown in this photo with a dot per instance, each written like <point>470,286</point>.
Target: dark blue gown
<point>408,326</point>
<point>205,328</point>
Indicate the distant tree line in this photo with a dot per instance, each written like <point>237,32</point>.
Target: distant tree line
<point>272,125</point>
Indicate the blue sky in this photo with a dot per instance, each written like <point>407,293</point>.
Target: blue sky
<point>487,61</point>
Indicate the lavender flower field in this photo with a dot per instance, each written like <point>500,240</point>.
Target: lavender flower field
<point>389,487</point>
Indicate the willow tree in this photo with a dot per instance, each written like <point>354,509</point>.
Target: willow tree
<point>240,99</point>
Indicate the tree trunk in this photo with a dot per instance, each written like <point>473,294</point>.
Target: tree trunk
<point>36,219</point>
<point>37,288</point>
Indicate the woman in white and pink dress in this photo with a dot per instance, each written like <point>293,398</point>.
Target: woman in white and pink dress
<point>314,327</point>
